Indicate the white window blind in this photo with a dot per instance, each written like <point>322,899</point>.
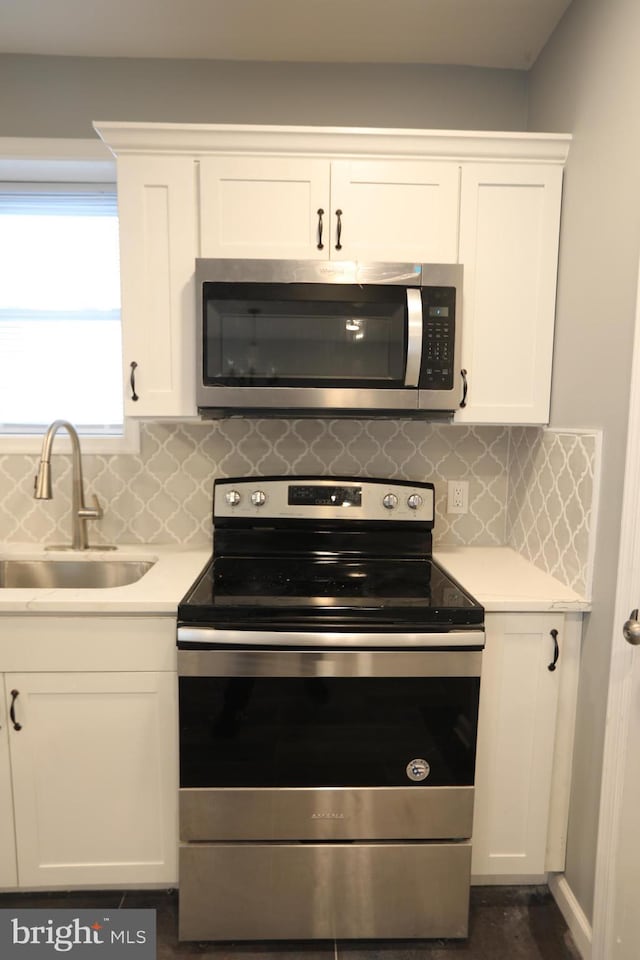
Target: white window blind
<point>60,332</point>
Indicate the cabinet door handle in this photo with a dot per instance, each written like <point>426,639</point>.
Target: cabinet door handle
<point>556,650</point>
<point>631,629</point>
<point>12,710</point>
<point>339,229</point>
<point>320,228</point>
<point>465,388</point>
<point>132,381</point>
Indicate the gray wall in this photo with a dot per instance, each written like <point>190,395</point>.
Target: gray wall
<point>60,96</point>
<point>587,82</point>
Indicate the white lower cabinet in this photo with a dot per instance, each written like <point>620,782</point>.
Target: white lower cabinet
<point>525,737</point>
<point>8,866</point>
<point>88,758</point>
<point>89,781</point>
<point>94,798</point>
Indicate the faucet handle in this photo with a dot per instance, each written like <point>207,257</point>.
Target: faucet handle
<point>92,513</point>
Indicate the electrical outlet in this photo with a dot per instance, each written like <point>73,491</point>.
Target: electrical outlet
<point>458,496</point>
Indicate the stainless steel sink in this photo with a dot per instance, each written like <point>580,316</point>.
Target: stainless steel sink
<point>70,574</point>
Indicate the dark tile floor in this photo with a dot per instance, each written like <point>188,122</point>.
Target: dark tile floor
<point>506,923</point>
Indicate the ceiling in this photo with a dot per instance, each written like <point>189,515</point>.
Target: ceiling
<point>484,33</point>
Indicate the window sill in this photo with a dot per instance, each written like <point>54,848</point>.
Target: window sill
<point>23,444</point>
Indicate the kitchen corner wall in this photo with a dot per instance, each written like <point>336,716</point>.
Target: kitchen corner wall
<point>552,504</point>
<point>528,488</point>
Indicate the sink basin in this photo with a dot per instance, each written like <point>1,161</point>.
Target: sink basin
<point>70,574</point>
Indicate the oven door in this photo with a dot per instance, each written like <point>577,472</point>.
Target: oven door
<point>326,793</point>
<point>331,744</point>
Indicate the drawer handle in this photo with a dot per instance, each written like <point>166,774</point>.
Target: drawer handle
<point>465,388</point>
<point>132,381</point>
<point>320,228</point>
<point>339,229</point>
<point>12,710</point>
<point>556,650</point>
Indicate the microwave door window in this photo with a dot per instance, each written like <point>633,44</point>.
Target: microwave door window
<point>306,342</point>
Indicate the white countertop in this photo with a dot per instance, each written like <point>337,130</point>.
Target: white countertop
<point>158,592</point>
<point>501,579</point>
<point>498,577</point>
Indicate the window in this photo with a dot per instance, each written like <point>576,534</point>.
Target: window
<point>60,332</point>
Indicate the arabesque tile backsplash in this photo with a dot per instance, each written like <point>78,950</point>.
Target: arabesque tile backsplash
<point>529,488</point>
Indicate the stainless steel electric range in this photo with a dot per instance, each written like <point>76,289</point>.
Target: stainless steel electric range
<point>329,677</point>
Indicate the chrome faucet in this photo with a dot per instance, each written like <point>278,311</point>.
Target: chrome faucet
<point>80,513</point>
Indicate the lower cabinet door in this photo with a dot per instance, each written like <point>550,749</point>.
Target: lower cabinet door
<point>516,744</point>
<point>95,778</point>
<point>8,867</point>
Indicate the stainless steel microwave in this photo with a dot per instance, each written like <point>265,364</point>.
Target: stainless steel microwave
<point>324,338</point>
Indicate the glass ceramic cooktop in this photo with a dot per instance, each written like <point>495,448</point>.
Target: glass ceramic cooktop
<point>315,589</point>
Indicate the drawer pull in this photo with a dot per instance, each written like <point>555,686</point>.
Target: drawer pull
<point>132,381</point>
<point>12,710</point>
<point>556,650</point>
<point>339,229</point>
<point>465,388</point>
<point>320,228</point>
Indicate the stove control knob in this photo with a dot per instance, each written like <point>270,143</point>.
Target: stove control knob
<point>390,501</point>
<point>232,497</point>
<point>258,497</point>
<point>414,501</point>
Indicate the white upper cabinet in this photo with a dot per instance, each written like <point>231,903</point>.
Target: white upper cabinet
<point>300,209</point>
<point>509,230</point>
<point>489,201</point>
<point>394,210</point>
<point>158,247</point>
<point>264,207</point>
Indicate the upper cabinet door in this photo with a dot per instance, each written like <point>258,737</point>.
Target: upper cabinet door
<point>158,247</point>
<point>299,209</point>
<point>401,211</point>
<point>509,230</point>
<point>264,207</point>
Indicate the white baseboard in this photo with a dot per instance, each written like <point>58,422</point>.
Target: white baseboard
<point>573,913</point>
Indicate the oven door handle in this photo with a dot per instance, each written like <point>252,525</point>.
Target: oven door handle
<point>414,337</point>
<point>321,639</point>
<point>305,662</point>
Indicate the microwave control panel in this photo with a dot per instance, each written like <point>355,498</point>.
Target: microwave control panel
<point>438,337</point>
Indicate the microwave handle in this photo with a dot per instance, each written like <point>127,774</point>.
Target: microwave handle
<point>414,337</point>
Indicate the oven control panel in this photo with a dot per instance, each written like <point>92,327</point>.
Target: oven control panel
<point>311,498</point>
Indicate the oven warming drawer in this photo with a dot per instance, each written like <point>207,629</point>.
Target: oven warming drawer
<point>324,891</point>
<point>328,814</point>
